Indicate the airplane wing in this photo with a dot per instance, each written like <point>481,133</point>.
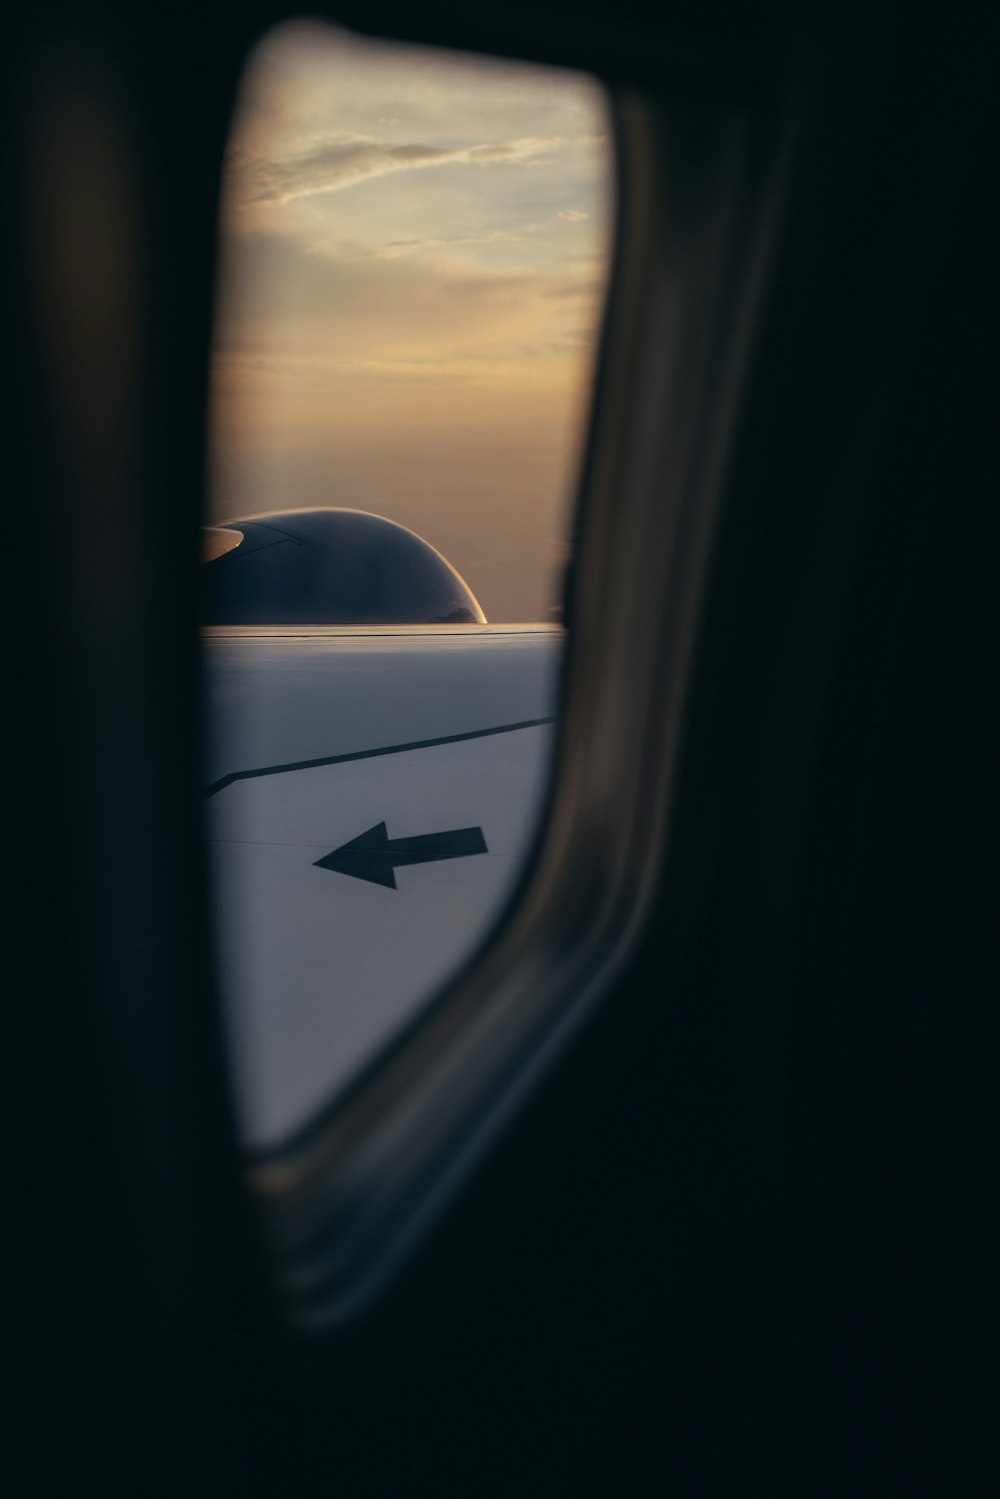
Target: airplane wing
<point>371,797</point>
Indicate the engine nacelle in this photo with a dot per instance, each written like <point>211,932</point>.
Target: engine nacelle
<point>328,567</point>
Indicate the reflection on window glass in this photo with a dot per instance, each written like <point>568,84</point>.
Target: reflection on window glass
<point>414,254</point>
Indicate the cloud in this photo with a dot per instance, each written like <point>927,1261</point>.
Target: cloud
<point>393,248</point>
<point>282,301</point>
<point>332,163</point>
<point>396,247</point>
<point>571,289</point>
<point>572,215</point>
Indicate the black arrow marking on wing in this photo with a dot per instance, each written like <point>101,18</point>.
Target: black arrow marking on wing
<point>374,856</point>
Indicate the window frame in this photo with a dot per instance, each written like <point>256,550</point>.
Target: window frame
<point>347,1199</point>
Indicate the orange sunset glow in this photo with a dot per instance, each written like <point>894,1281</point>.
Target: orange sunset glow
<point>414,256</point>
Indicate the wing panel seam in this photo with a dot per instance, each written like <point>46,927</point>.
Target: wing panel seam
<point>368,754</point>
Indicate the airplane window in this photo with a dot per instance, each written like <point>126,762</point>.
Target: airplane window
<point>414,254</point>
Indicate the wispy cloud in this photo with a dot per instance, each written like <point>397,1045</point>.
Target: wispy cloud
<point>572,215</point>
<point>575,289</point>
<point>335,162</point>
<point>393,248</point>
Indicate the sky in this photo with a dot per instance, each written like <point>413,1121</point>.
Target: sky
<point>414,256</point>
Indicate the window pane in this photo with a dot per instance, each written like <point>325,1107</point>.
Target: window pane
<point>414,254</point>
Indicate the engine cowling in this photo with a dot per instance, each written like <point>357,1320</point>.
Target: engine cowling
<point>328,567</point>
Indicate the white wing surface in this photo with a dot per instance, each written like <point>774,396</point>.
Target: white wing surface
<point>372,795</point>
